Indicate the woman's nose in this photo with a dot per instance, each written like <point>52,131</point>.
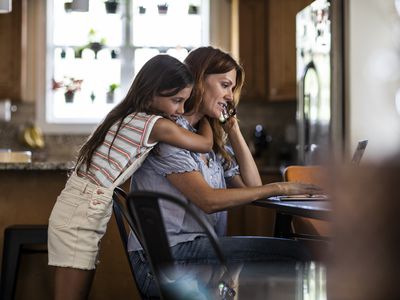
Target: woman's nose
<point>229,95</point>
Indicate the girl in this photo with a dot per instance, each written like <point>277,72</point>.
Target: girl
<point>110,156</point>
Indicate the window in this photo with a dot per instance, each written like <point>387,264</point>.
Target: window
<point>92,57</point>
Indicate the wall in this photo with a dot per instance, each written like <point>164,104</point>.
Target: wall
<point>278,119</point>
<point>373,76</point>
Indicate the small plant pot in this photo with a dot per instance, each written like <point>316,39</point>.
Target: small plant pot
<point>63,54</point>
<point>110,97</point>
<point>162,9</point>
<point>96,47</point>
<point>142,10</point>
<point>111,7</point>
<point>68,7</point>
<point>193,10</point>
<point>114,54</point>
<point>69,97</point>
<point>78,52</point>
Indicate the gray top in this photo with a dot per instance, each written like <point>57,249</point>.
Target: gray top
<point>166,159</point>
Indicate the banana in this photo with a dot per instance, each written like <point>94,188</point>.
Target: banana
<point>33,137</point>
<point>37,135</point>
<point>27,138</point>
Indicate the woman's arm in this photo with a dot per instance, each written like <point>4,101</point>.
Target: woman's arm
<point>166,131</point>
<point>249,175</point>
<point>193,186</point>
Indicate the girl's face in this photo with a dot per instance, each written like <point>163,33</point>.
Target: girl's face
<point>218,92</point>
<point>171,107</point>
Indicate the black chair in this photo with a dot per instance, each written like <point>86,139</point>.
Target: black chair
<point>144,217</point>
<point>18,239</point>
<point>123,219</point>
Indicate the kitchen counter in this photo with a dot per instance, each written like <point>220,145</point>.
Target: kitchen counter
<point>37,166</point>
<point>28,194</point>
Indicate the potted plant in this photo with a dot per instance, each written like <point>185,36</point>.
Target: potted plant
<point>95,43</point>
<point>70,85</point>
<point>68,6</point>
<point>162,8</point>
<point>193,9</point>
<point>142,10</point>
<point>111,6</point>
<point>111,92</point>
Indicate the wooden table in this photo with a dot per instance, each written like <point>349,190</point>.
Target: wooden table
<point>285,210</point>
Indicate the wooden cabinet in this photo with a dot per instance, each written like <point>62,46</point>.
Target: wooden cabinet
<point>267,47</point>
<point>281,50</point>
<point>12,52</point>
<point>250,16</point>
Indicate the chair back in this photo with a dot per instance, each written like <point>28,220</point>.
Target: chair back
<point>140,211</point>
<point>143,206</point>
<point>308,228</point>
<point>124,221</point>
<point>305,174</point>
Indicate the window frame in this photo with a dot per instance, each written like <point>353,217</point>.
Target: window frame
<point>45,59</point>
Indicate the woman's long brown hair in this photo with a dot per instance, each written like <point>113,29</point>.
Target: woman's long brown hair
<point>205,61</point>
<point>162,75</point>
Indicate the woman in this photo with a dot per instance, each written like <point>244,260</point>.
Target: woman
<point>204,178</point>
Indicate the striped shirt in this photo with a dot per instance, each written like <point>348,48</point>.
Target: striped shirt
<point>129,144</point>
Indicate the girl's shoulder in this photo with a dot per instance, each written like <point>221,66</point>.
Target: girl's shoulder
<point>141,117</point>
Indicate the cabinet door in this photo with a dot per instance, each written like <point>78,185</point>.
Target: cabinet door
<point>12,41</point>
<point>252,47</point>
<point>281,50</point>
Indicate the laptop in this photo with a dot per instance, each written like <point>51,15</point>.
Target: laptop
<point>355,160</point>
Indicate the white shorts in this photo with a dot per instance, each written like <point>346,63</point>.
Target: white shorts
<point>77,224</point>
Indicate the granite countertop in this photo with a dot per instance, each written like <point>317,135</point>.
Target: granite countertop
<point>38,166</point>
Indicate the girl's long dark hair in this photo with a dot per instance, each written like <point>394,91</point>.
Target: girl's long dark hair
<point>205,61</point>
<point>162,75</point>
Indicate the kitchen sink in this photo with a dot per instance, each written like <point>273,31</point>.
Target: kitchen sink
<point>8,156</point>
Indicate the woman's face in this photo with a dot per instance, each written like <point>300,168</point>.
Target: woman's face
<point>218,92</point>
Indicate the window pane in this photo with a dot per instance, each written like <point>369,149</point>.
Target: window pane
<point>177,26</point>
<point>90,51</point>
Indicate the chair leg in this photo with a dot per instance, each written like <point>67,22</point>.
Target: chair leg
<point>283,226</point>
<point>14,238</point>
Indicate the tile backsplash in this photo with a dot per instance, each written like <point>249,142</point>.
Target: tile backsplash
<point>277,119</point>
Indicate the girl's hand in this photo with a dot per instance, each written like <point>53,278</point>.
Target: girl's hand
<point>297,188</point>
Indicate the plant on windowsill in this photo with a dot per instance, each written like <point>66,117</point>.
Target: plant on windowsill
<point>111,6</point>
<point>68,6</point>
<point>70,85</point>
<point>162,8</point>
<point>111,92</point>
<point>95,43</point>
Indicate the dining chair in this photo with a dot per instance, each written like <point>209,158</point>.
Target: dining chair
<point>141,211</point>
<point>306,227</point>
<point>18,240</point>
<point>126,223</point>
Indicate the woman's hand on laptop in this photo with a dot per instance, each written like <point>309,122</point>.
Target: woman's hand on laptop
<point>296,188</point>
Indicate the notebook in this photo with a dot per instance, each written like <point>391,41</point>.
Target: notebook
<point>355,160</point>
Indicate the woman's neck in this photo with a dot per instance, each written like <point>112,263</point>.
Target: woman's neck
<point>194,118</point>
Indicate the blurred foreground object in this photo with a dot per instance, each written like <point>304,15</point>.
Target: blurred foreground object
<point>366,234</point>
